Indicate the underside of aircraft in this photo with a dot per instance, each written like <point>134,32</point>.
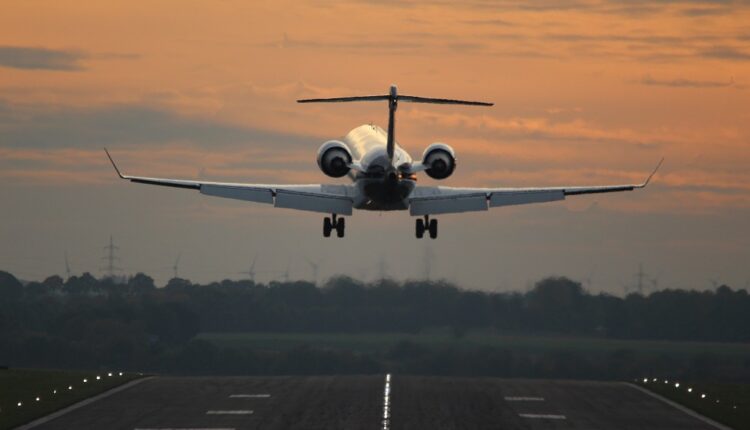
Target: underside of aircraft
<point>383,178</point>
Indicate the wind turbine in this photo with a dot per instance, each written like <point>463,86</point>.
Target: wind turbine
<point>286,272</point>
<point>175,268</point>
<point>315,267</point>
<point>251,271</point>
<point>67,266</point>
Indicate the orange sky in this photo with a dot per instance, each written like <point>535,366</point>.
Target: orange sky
<point>586,92</point>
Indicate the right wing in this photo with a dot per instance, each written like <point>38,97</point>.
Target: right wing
<point>444,200</point>
<point>330,199</point>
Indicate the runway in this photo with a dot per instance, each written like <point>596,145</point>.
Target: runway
<point>362,402</point>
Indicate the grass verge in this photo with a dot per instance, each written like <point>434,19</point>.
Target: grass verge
<point>54,389</point>
<point>728,404</point>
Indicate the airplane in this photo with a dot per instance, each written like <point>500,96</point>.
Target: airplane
<point>384,177</point>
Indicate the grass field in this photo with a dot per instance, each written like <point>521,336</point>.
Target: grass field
<point>726,403</point>
<point>24,386</point>
<point>377,342</point>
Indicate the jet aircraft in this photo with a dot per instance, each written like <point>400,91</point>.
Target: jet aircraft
<point>383,177</point>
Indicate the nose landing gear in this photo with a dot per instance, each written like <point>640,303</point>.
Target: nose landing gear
<point>427,224</point>
<point>334,223</point>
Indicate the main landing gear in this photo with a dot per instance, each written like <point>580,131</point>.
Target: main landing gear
<point>427,224</point>
<point>333,223</point>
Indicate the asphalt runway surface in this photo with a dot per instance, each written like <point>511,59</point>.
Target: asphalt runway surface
<point>362,402</point>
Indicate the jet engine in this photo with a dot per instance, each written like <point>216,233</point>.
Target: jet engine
<point>334,158</point>
<point>440,160</point>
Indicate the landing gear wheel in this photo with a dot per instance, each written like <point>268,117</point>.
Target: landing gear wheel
<point>420,228</point>
<point>433,229</point>
<point>327,227</point>
<point>340,226</point>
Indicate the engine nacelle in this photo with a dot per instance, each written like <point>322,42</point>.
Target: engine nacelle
<point>441,160</point>
<point>334,158</point>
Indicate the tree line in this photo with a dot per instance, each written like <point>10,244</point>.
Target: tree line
<point>88,322</point>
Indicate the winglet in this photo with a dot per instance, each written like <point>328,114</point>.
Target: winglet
<point>643,185</point>
<point>113,164</point>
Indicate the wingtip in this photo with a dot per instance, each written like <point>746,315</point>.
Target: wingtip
<point>113,164</point>
<point>653,173</point>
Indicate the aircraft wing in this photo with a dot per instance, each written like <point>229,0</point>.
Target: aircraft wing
<point>328,199</point>
<point>444,200</point>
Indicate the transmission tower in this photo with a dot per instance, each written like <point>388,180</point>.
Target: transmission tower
<point>110,259</point>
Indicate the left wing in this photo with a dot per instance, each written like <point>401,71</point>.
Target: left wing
<point>444,200</point>
<point>329,199</point>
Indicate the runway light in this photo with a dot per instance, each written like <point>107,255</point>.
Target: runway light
<point>109,374</point>
<point>654,379</point>
<point>85,380</point>
<point>54,391</point>
<point>645,380</point>
<point>677,385</point>
<point>70,387</point>
<point>19,404</point>
<point>703,396</point>
<point>120,373</point>
<point>98,377</point>
<point>666,381</point>
<point>38,399</point>
<point>690,390</point>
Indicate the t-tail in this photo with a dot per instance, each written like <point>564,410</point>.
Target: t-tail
<point>393,97</point>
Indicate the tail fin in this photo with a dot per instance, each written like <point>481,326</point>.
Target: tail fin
<point>393,98</point>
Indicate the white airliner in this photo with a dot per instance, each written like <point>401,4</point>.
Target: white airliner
<point>383,178</point>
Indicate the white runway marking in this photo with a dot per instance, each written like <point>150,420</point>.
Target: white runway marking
<point>186,428</point>
<point>249,396</point>
<point>523,399</point>
<point>386,402</point>
<point>543,416</point>
<point>231,412</point>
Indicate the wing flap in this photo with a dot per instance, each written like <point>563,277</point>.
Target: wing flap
<point>448,204</point>
<point>259,195</point>
<point>313,202</point>
<point>522,198</point>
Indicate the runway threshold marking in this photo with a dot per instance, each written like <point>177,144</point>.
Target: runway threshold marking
<point>249,396</point>
<point>543,416</point>
<point>523,399</point>
<point>387,403</point>
<point>230,412</point>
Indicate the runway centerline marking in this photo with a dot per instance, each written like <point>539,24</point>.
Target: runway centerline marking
<point>185,428</point>
<point>523,399</point>
<point>386,402</point>
<point>543,416</point>
<point>249,396</point>
<point>230,412</point>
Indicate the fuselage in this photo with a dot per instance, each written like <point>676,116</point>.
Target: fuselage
<point>381,183</point>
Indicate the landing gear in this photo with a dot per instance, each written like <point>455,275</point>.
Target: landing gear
<point>334,223</point>
<point>426,224</point>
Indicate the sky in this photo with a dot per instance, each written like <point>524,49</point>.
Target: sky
<point>587,92</point>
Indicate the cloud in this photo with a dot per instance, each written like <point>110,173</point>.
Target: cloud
<point>65,127</point>
<point>19,57</point>
<point>725,53</point>
<point>685,83</point>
